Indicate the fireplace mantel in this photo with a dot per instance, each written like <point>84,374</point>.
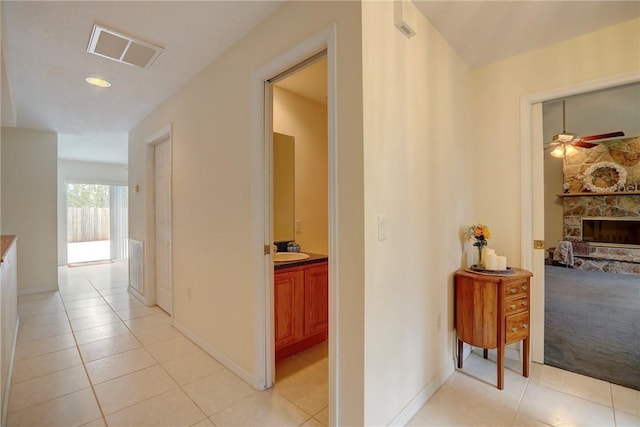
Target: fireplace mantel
<point>615,193</point>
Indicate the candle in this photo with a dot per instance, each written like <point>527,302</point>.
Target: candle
<point>487,251</point>
<point>491,263</point>
<point>502,263</point>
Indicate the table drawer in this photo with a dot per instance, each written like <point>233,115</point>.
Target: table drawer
<point>516,305</point>
<point>517,327</point>
<point>517,288</point>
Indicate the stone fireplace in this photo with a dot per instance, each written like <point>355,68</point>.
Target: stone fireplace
<point>604,215</point>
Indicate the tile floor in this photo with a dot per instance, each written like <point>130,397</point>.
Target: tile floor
<point>92,355</point>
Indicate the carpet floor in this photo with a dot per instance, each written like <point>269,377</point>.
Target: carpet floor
<point>592,324</point>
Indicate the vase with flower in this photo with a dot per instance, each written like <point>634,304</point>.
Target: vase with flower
<point>478,234</point>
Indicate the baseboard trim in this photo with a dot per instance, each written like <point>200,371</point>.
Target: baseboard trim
<point>234,367</point>
<point>7,386</point>
<point>425,394</point>
<point>38,290</point>
<point>140,297</point>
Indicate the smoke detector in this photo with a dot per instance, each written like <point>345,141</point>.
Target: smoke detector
<point>122,48</point>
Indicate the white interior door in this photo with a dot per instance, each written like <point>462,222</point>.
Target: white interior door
<point>164,286</point>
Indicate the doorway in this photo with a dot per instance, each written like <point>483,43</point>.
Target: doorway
<point>97,225</point>
<point>300,214</point>
<point>532,190</point>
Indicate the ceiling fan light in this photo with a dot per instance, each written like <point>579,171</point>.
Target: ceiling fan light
<point>570,150</point>
<point>558,151</point>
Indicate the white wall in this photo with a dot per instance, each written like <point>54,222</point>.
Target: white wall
<point>215,280</point>
<point>417,174</point>
<point>306,121</point>
<point>83,172</point>
<point>29,176</point>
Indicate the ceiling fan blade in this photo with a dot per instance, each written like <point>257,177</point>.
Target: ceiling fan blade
<point>601,136</point>
<point>580,143</point>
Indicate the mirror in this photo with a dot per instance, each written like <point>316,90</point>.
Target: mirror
<point>283,187</point>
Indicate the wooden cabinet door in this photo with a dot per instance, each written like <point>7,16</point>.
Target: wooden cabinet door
<point>289,307</point>
<point>316,299</point>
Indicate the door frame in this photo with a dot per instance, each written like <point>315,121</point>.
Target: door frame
<point>162,135</point>
<point>262,227</point>
<point>532,189</point>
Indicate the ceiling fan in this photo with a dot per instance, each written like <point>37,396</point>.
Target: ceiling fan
<point>564,143</point>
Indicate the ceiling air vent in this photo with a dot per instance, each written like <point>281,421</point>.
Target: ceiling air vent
<point>122,48</point>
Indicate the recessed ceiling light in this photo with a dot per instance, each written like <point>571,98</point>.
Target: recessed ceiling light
<point>94,81</point>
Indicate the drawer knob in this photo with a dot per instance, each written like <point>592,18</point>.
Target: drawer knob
<point>523,303</point>
<point>514,290</point>
<point>524,287</point>
<point>513,329</point>
<point>512,306</point>
<point>526,326</point>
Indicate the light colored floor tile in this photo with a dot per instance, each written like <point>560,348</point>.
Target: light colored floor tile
<point>93,302</point>
<point>323,416</point>
<point>132,313</point>
<point>42,319</point>
<point>597,391</point>
<point>308,388</point>
<point>93,321</point>
<point>105,292</point>
<point>524,421</point>
<point>452,406</point>
<point>119,297</point>
<point>45,331</point>
<point>626,420</point>
<point>96,310</point>
<point>96,423</point>
<point>146,322</point>
<point>217,391</point>
<point>165,351</point>
<point>126,304</point>
<point>47,387</point>
<point>37,307</point>
<point>156,334</point>
<point>76,296</point>
<point>53,295</point>
<point>118,365</point>
<point>108,347</point>
<point>100,332</point>
<point>554,407</point>
<point>267,409</point>
<point>74,409</point>
<point>203,423</point>
<point>172,408</point>
<point>42,346</point>
<point>42,365</point>
<point>480,376</point>
<point>191,367</point>
<point>312,422</point>
<point>626,399</point>
<point>128,390</point>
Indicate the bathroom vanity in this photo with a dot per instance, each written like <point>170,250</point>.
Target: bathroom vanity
<point>301,304</point>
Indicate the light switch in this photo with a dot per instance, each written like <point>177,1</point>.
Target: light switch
<point>382,228</point>
<point>298,226</point>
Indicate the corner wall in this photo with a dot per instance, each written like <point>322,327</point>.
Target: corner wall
<point>29,177</point>
<point>417,175</point>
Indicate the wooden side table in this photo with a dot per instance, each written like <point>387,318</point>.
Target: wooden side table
<point>492,311</point>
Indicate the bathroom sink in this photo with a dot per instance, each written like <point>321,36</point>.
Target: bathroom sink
<point>289,256</point>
